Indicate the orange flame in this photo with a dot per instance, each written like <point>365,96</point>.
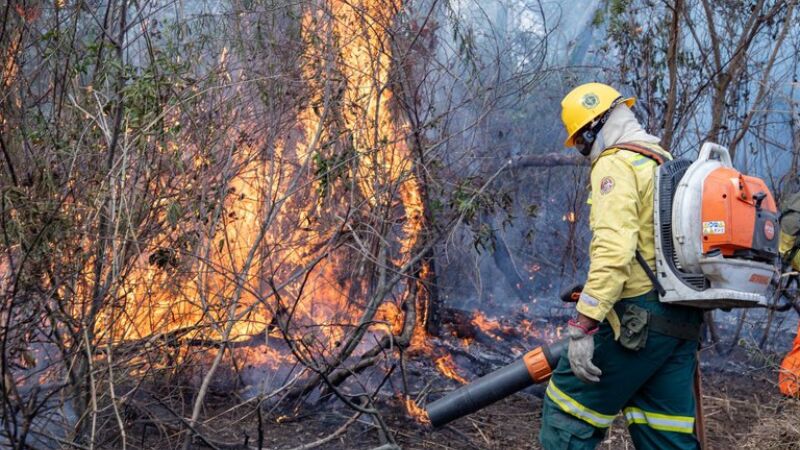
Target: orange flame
<point>490,327</point>
<point>389,318</point>
<point>447,367</point>
<point>415,412</point>
<point>225,287</point>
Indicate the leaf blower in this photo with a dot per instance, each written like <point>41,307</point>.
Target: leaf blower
<point>534,367</point>
<point>715,232</point>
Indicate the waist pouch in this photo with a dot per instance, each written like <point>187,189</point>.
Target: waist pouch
<point>640,314</point>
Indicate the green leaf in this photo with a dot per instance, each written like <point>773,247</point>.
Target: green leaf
<point>173,214</point>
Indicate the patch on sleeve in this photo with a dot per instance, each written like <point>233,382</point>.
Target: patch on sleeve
<point>588,299</point>
<point>606,185</point>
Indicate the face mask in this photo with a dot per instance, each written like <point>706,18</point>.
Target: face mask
<point>582,146</point>
<point>599,145</point>
<point>584,140</point>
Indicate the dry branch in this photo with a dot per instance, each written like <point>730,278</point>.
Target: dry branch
<point>567,158</point>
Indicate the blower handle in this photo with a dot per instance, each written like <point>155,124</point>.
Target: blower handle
<point>709,149</point>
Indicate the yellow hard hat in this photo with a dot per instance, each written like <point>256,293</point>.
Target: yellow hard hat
<point>586,103</point>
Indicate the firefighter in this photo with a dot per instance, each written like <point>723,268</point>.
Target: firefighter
<point>628,352</point>
<point>790,232</point>
<point>789,375</point>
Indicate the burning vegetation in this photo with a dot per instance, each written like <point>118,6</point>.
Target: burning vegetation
<point>282,247</point>
<point>221,223</point>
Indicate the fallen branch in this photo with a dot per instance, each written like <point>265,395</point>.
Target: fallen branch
<point>554,159</point>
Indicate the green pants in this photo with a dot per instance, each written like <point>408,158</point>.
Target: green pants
<point>652,387</point>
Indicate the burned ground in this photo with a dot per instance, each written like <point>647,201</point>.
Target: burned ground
<point>234,224</point>
<point>743,410</point>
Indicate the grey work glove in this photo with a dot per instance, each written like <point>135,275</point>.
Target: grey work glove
<point>581,350</point>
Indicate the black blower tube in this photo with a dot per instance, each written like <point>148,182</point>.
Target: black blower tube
<point>497,385</point>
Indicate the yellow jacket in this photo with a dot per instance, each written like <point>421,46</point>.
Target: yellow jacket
<point>786,244</point>
<point>621,219</point>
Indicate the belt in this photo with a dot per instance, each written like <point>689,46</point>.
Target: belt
<point>689,331</point>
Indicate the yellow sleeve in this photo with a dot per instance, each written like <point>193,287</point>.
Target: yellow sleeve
<point>786,244</point>
<point>614,220</point>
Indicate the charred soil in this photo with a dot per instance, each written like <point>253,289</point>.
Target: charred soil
<point>743,410</point>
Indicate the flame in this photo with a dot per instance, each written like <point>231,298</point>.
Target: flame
<point>490,327</point>
<point>447,367</point>
<point>389,318</point>
<point>216,284</point>
<point>27,14</point>
<point>415,412</point>
<point>419,339</point>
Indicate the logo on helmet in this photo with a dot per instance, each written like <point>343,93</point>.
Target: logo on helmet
<point>590,100</point>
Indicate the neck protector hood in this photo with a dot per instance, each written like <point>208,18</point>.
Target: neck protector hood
<point>621,126</point>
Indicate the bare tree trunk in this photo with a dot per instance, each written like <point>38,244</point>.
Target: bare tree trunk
<point>672,65</point>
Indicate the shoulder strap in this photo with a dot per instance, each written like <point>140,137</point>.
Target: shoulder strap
<point>640,149</point>
<point>649,272</point>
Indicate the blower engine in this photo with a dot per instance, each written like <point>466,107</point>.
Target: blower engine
<point>715,231</point>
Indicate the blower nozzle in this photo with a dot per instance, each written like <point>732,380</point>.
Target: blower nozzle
<point>535,367</point>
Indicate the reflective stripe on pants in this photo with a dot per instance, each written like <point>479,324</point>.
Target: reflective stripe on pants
<point>658,421</point>
<point>573,407</point>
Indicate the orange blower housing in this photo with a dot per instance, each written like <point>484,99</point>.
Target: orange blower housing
<point>739,216</point>
<point>715,233</point>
